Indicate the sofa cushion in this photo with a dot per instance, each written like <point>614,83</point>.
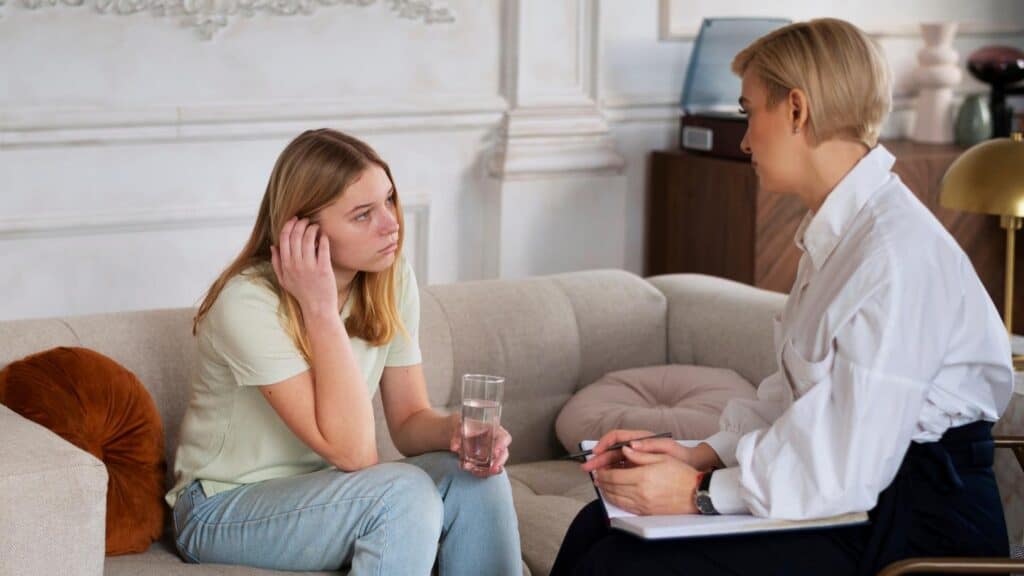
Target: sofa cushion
<point>547,496</point>
<point>162,560</point>
<point>99,406</point>
<point>684,400</point>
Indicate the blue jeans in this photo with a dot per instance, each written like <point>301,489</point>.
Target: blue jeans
<point>392,518</point>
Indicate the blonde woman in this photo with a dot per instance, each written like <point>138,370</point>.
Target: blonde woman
<point>892,360</point>
<point>277,463</point>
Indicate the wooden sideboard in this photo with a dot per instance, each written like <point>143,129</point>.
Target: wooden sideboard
<point>706,215</point>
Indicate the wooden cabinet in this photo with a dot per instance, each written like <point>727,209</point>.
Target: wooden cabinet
<point>707,215</point>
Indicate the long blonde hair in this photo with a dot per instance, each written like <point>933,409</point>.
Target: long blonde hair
<point>843,72</point>
<point>311,173</point>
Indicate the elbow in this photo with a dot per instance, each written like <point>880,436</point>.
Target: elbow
<point>353,460</point>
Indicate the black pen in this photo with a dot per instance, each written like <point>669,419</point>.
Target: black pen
<point>616,446</point>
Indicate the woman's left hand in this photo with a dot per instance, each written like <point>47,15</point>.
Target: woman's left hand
<point>499,455</point>
<point>655,484</point>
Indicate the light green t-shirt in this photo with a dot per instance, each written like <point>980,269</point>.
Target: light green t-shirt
<point>230,435</point>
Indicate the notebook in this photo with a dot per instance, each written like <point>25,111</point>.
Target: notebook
<point>698,526</point>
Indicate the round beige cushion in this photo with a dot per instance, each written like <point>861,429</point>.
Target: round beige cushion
<point>684,400</point>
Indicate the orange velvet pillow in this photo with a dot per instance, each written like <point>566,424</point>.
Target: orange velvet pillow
<point>99,406</point>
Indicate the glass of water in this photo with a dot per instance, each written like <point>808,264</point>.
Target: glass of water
<point>481,417</point>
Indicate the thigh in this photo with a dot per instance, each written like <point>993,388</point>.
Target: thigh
<point>833,551</point>
<point>305,522</point>
<point>962,521</point>
<point>440,466</point>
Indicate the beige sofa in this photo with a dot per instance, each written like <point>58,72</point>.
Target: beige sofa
<point>549,336</point>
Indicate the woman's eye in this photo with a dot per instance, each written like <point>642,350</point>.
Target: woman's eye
<point>363,215</point>
<point>391,199</point>
<point>743,111</point>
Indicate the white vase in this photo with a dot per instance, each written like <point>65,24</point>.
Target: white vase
<point>936,76</point>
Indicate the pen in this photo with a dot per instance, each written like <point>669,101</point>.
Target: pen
<point>616,446</point>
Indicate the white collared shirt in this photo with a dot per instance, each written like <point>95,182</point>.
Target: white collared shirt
<point>887,337</point>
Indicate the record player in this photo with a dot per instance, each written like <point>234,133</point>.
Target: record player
<point>711,123</point>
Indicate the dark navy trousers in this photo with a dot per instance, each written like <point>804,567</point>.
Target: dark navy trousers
<point>943,502</point>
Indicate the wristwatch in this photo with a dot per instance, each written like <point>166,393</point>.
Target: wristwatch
<point>702,497</point>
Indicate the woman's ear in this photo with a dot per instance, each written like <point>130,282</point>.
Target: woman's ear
<point>797,102</point>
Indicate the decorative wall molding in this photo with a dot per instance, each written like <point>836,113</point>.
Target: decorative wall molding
<point>148,220</point>
<point>419,214</point>
<point>523,159</point>
<point>664,108</point>
<point>553,133</point>
<point>121,221</point>
<point>967,30</point>
<point>641,108</point>
<point>56,126</point>
<point>582,91</point>
<point>207,17</point>
<point>416,208</point>
<point>674,27</point>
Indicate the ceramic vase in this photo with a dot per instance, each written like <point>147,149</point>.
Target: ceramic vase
<point>974,121</point>
<point>936,76</point>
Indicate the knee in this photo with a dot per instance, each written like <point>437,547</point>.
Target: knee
<point>413,498</point>
<point>493,490</point>
<point>471,496</point>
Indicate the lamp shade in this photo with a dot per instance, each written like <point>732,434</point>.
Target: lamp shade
<point>987,178</point>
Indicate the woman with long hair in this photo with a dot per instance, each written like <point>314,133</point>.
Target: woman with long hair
<point>277,463</point>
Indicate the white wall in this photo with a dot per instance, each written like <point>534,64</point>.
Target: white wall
<point>133,153</point>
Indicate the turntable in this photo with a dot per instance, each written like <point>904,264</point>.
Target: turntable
<point>711,122</point>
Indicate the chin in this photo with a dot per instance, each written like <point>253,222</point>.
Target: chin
<point>380,263</point>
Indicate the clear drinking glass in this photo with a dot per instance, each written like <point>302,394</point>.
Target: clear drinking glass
<point>481,417</point>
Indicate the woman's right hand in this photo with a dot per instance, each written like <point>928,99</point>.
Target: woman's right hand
<point>603,457</point>
<point>303,267</point>
<point>701,457</point>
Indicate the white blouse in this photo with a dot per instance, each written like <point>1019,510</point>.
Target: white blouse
<point>887,337</point>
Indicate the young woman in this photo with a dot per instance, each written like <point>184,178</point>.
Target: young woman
<point>892,360</point>
<point>277,462</point>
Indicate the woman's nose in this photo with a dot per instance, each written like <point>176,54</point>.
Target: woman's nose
<point>389,223</point>
<point>744,146</point>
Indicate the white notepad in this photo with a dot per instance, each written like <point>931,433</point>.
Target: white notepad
<point>696,525</point>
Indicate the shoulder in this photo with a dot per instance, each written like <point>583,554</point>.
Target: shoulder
<point>245,296</point>
<point>904,229</point>
<point>902,244</point>
<point>406,285</point>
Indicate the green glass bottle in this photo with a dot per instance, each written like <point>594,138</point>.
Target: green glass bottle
<point>973,121</point>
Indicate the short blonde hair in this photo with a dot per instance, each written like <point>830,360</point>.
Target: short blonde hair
<point>842,71</point>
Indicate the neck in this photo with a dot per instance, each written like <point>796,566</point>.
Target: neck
<point>827,164</point>
<point>344,279</point>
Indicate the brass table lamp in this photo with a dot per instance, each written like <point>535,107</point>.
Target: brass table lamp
<point>989,179</point>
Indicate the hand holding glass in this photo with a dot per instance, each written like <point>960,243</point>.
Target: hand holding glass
<point>481,417</point>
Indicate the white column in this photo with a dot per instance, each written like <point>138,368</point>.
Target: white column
<point>559,197</point>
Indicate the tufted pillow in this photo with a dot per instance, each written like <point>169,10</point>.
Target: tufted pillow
<point>684,400</point>
<point>99,406</point>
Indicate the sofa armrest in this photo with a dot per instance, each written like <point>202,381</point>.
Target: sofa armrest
<point>52,502</point>
<point>720,323</point>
